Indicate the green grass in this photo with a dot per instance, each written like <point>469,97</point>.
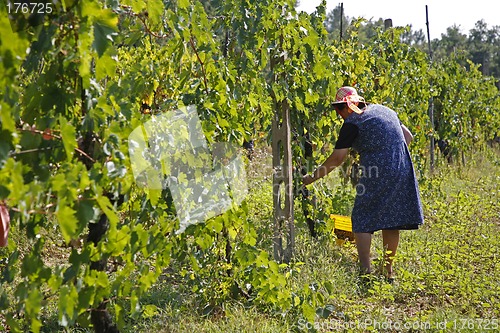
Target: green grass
<point>447,273</point>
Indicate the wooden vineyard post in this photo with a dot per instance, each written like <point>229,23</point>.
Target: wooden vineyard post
<point>387,24</point>
<point>284,232</point>
<point>341,15</point>
<point>431,99</point>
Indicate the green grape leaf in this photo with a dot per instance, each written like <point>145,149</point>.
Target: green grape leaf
<point>103,35</point>
<point>67,221</point>
<point>155,11</point>
<point>85,53</point>
<point>107,208</point>
<point>68,135</point>
<point>183,4</point>
<point>68,301</point>
<point>105,66</point>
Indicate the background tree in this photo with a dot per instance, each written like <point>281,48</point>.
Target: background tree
<point>368,30</point>
<point>453,42</point>
<point>414,37</point>
<point>332,23</point>
<point>484,47</point>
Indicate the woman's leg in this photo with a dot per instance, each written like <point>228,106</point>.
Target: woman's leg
<point>363,244</point>
<point>391,242</point>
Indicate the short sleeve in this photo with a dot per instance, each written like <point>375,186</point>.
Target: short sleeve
<point>348,133</point>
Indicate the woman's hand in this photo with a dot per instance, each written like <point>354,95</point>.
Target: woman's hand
<point>334,160</point>
<point>307,179</point>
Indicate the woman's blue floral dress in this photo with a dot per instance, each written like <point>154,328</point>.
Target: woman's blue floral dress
<point>387,193</point>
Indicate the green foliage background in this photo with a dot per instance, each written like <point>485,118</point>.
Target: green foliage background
<point>77,85</point>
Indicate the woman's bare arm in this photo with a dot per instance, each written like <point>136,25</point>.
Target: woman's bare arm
<point>334,160</point>
<point>407,134</point>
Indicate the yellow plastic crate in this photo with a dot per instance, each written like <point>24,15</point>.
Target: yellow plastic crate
<point>342,228</point>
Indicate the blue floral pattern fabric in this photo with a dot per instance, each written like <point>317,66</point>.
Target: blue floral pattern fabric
<point>387,193</point>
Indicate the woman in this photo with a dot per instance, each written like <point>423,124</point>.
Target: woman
<point>387,196</point>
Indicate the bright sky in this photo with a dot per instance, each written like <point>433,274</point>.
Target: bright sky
<point>442,13</point>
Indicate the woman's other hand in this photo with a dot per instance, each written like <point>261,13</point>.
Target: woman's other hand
<point>307,179</point>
